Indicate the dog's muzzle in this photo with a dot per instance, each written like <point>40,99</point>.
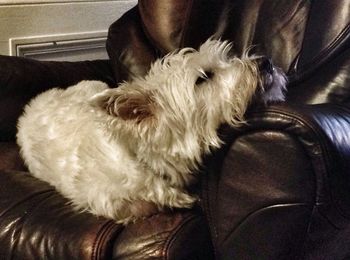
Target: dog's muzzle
<point>266,70</point>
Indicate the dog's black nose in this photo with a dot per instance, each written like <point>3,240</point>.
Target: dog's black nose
<point>265,65</point>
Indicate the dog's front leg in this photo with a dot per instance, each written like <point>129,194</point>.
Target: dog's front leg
<point>168,196</point>
<point>177,198</point>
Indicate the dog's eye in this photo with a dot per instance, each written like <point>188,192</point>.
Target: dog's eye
<point>206,75</point>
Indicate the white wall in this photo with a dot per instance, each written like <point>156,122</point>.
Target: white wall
<point>58,29</point>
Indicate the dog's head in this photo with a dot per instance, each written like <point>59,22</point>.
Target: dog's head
<point>186,95</point>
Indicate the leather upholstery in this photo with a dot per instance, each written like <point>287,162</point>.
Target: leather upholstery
<point>38,223</point>
<point>278,189</point>
<point>299,177</point>
<point>21,79</point>
<point>245,23</point>
<point>174,236</point>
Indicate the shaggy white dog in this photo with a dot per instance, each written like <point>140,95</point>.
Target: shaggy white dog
<point>128,152</point>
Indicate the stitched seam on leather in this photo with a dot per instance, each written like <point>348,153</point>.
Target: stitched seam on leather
<point>101,237</point>
<point>247,217</point>
<point>303,245</point>
<point>172,235</point>
<point>322,56</point>
<point>209,214</point>
<point>187,19</point>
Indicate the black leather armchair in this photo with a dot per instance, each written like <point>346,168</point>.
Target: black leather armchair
<point>278,189</point>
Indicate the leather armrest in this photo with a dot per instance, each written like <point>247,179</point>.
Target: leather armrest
<point>323,130</point>
<point>21,79</point>
<point>281,178</point>
<point>37,223</point>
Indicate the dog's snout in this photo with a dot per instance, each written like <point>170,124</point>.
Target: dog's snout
<point>265,65</point>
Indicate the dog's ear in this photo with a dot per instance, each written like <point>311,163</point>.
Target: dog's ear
<point>134,106</point>
<point>125,104</point>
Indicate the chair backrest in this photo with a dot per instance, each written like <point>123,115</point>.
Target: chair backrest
<point>309,39</point>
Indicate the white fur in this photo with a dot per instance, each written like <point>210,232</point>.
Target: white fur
<point>128,152</point>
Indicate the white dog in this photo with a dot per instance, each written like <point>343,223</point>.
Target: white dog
<point>128,152</point>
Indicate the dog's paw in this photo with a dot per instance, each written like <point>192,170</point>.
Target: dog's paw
<point>183,200</point>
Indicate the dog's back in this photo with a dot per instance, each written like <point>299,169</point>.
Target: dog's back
<point>58,132</point>
<point>65,141</point>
